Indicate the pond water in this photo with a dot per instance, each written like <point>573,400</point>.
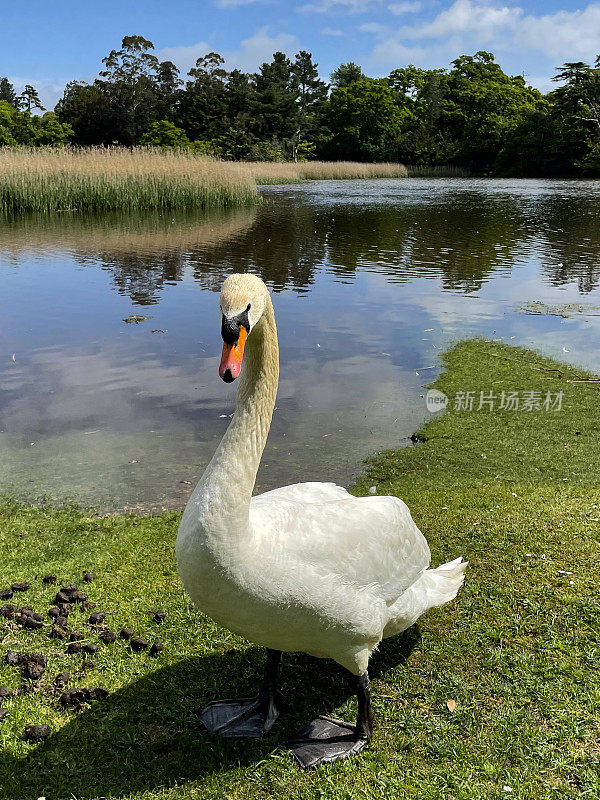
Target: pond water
<point>371,281</point>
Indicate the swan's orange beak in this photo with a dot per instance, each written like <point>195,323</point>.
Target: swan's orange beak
<point>231,360</point>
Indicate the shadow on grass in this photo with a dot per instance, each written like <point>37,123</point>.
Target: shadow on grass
<point>147,735</point>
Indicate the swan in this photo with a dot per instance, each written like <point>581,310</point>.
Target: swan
<point>306,567</point>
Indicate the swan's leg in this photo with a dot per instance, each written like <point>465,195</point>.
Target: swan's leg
<point>248,717</point>
<point>325,740</point>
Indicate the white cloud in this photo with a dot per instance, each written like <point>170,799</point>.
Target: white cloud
<point>332,32</point>
<point>347,6</point>
<point>259,48</point>
<point>184,57</point>
<point>541,82</point>
<point>404,8</point>
<point>392,51</point>
<point>250,55</point>
<point>469,25</point>
<point>480,20</point>
<point>565,34</point>
<point>234,3</point>
<point>373,27</point>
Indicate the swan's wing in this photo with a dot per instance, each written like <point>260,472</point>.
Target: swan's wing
<point>368,542</point>
<point>310,492</point>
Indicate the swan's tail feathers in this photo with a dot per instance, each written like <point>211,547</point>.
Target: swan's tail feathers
<point>433,588</point>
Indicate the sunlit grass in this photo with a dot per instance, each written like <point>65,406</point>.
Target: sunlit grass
<point>115,178</point>
<point>286,172</point>
<point>62,179</point>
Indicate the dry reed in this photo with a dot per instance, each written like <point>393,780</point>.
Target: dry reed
<point>436,171</point>
<point>59,179</point>
<point>110,179</point>
<point>286,172</point>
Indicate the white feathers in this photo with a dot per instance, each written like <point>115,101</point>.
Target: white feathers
<point>306,567</point>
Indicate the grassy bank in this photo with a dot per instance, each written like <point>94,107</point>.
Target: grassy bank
<point>514,492</point>
<point>98,179</point>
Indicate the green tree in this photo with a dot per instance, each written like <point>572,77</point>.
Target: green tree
<point>482,108</point>
<point>275,102</point>
<point>168,85</point>
<point>7,92</point>
<point>130,86</point>
<point>202,107</point>
<point>7,113</point>
<point>418,93</point>
<point>576,114</point>
<point>87,109</point>
<point>311,94</point>
<point>346,74</point>
<point>50,131</point>
<point>29,98</point>
<point>364,120</point>
<point>22,127</point>
<point>165,134</point>
<point>133,90</point>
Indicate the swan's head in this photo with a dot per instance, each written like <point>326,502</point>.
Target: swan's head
<point>243,301</point>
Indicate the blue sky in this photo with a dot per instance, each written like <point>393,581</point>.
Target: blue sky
<point>55,42</point>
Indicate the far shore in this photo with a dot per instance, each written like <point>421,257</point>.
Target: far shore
<point>58,179</point>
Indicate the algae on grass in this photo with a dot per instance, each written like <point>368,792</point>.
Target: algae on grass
<point>498,689</point>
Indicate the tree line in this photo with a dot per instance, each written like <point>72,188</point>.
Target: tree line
<point>471,115</point>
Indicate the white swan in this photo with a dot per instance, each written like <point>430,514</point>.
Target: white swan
<point>306,567</point>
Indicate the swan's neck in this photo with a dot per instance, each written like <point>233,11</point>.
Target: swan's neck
<point>225,489</point>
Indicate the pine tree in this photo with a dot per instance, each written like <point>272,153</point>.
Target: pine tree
<point>275,106</point>
<point>7,92</point>
<point>30,98</point>
<point>311,94</point>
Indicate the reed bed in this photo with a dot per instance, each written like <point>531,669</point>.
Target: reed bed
<point>436,171</point>
<point>60,179</point>
<point>44,180</point>
<point>286,172</point>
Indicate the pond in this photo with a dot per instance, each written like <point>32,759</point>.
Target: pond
<point>110,333</point>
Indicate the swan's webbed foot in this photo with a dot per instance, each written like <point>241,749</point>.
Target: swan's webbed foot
<point>251,717</point>
<point>325,740</point>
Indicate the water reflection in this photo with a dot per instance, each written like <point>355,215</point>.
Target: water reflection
<point>142,251</point>
<point>371,281</point>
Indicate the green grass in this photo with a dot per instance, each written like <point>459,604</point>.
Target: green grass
<point>518,651</point>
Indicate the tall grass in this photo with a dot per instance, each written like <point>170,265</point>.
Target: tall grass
<point>59,179</point>
<point>436,171</point>
<point>110,179</point>
<point>285,172</point>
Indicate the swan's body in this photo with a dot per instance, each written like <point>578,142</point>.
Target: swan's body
<point>307,567</point>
